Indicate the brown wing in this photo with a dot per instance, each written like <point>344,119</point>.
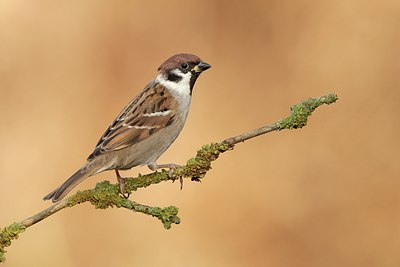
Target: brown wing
<point>151,111</point>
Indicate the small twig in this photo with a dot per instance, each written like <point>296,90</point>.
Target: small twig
<point>106,195</point>
<point>103,196</point>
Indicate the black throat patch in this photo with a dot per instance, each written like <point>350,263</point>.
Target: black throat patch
<point>193,80</point>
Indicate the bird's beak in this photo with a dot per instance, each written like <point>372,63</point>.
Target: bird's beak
<point>202,66</point>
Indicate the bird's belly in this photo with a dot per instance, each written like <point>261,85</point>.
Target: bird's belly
<point>149,150</point>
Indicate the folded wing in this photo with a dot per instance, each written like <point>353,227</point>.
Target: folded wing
<point>151,111</point>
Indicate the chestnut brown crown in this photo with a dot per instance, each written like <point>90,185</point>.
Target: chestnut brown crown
<point>177,60</point>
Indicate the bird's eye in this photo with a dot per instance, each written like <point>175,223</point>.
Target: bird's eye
<point>184,66</point>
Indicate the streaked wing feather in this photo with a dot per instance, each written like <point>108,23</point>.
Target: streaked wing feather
<point>133,125</point>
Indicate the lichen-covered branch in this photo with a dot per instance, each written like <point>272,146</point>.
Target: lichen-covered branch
<point>106,195</point>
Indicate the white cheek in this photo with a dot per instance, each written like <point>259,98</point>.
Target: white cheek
<point>180,88</point>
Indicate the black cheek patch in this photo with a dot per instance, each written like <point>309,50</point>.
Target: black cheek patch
<point>173,77</point>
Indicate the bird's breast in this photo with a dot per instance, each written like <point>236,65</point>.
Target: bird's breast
<point>150,149</point>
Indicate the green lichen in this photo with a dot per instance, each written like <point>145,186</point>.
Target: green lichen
<point>103,196</point>
<point>143,181</point>
<point>167,216</point>
<point>301,112</point>
<point>8,234</point>
<point>198,166</point>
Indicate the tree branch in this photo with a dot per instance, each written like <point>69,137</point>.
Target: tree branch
<point>106,195</point>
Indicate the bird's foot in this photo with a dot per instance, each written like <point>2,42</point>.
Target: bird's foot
<point>171,167</point>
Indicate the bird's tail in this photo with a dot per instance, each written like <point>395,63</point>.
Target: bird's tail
<point>68,185</point>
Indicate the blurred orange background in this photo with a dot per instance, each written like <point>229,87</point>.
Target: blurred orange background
<point>325,195</point>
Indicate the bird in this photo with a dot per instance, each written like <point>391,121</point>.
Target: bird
<point>146,127</point>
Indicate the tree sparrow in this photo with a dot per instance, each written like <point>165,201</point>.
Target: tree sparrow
<point>146,127</point>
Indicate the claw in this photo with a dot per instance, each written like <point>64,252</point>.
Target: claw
<point>181,181</point>
<point>126,196</point>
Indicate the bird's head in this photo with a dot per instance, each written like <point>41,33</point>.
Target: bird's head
<point>182,70</point>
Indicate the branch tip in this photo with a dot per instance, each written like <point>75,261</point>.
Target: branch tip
<point>300,112</point>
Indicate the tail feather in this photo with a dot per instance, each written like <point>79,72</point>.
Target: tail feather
<point>68,185</point>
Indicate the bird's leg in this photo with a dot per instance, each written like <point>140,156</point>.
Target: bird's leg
<point>171,166</point>
<point>121,182</point>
